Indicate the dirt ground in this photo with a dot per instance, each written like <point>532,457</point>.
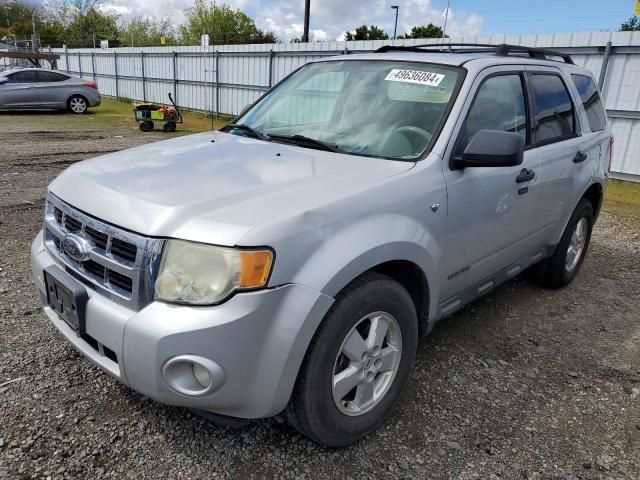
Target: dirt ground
<point>524,384</point>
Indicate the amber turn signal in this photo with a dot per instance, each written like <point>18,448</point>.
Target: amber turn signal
<point>255,267</point>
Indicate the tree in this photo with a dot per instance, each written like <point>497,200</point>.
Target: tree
<point>15,19</point>
<point>223,24</point>
<point>145,32</point>
<point>631,25</point>
<point>367,33</point>
<point>425,31</point>
<point>78,23</point>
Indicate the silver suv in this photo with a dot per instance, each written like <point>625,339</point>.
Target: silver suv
<point>289,263</point>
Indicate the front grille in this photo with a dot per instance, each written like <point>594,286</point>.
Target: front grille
<point>119,264</point>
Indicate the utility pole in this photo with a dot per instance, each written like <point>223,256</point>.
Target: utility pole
<point>446,16</point>
<point>395,27</point>
<point>33,35</point>
<point>307,7</point>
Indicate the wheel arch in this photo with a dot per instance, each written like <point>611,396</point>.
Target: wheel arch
<point>76,94</point>
<point>413,279</point>
<point>595,195</point>
<point>593,192</point>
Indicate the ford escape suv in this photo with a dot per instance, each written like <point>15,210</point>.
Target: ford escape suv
<point>289,263</point>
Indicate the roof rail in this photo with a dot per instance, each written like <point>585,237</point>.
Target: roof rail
<point>501,50</point>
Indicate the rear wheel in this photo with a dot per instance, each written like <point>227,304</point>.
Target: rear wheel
<point>169,127</point>
<point>77,104</point>
<point>563,266</point>
<point>357,364</point>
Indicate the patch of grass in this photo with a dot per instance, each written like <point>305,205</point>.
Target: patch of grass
<point>110,116</point>
<point>623,198</point>
<point>114,114</point>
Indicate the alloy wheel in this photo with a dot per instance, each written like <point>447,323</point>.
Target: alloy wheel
<point>576,244</point>
<point>78,105</point>
<point>367,363</point>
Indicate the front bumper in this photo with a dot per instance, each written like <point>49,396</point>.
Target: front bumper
<point>258,339</point>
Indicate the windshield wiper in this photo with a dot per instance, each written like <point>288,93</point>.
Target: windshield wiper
<point>240,126</point>
<point>302,141</point>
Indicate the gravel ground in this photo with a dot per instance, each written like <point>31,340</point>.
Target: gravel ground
<point>526,383</point>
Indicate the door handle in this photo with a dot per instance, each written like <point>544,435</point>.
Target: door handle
<point>525,175</point>
<point>580,157</point>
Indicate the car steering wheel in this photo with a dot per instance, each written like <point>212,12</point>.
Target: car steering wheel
<point>410,130</point>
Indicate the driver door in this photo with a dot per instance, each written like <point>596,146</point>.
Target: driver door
<point>19,90</point>
<point>490,210</point>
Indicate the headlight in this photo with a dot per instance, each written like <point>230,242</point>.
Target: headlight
<point>200,274</point>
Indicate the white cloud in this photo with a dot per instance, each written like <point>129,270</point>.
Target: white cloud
<point>334,17</point>
<point>329,18</point>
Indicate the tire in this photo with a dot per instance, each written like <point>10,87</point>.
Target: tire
<point>563,266</point>
<point>77,104</point>
<point>322,413</point>
<point>146,126</point>
<point>169,127</point>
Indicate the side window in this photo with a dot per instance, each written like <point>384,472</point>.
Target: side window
<point>591,101</point>
<point>28,76</point>
<point>51,77</point>
<point>499,105</point>
<point>555,118</point>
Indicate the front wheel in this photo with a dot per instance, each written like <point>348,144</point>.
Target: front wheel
<point>357,364</point>
<point>563,266</point>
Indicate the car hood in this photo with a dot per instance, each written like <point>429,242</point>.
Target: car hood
<point>214,187</point>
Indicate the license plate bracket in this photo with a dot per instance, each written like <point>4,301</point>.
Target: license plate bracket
<point>67,297</point>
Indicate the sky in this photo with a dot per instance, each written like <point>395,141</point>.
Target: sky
<point>331,18</point>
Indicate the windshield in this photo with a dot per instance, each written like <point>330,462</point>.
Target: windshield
<point>372,108</point>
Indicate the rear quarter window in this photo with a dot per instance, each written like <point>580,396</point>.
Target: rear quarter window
<point>591,101</point>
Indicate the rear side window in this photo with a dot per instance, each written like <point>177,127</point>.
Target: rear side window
<point>51,77</point>
<point>591,101</point>
<point>28,76</point>
<point>554,113</point>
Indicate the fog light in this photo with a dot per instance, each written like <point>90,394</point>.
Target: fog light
<point>193,375</point>
<point>201,374</point>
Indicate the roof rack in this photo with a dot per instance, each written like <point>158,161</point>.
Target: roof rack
<point>501,50</point>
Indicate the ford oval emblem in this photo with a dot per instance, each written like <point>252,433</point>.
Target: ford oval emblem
<point>75,248</point>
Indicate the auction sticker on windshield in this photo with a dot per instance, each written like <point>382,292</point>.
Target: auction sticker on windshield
<point>415,76</point>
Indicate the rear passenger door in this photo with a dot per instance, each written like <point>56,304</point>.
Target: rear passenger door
<point>490,217</point>
<point>566,152</point>
<point>52,88</point>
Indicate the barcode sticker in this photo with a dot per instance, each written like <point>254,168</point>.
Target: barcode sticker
<point>415,76</point>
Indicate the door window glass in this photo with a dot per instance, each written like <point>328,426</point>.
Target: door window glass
<point>591,101</point>
<point>499,105</point>
<point>28,76</point>
<point>51,77</point>
<point>553,108</point>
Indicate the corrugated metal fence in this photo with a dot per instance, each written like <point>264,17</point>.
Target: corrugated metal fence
<point>229,77</point>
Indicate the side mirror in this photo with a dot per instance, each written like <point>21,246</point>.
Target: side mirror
<point>492,148</point>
